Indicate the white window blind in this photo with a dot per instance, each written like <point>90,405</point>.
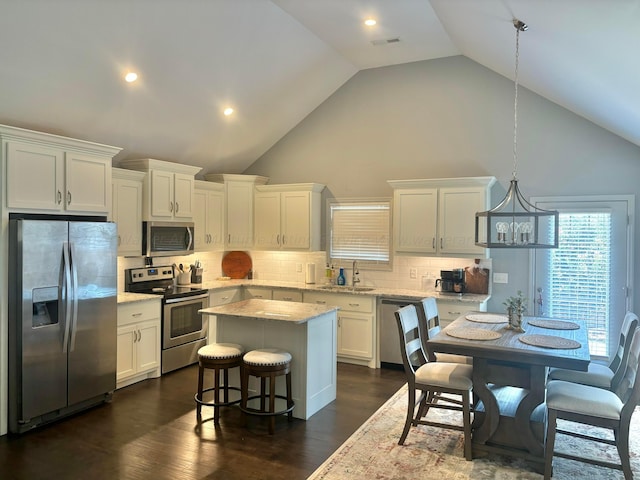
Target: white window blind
<point>580,273</point>
<point>360,230</point>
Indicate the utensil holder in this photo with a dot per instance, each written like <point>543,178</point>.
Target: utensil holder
<point>184,278</point>
<point>196,275</point>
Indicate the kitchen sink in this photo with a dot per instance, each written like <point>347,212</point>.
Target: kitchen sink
<point>335,288</point>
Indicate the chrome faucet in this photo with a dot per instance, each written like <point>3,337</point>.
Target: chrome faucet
<point>354,276</point>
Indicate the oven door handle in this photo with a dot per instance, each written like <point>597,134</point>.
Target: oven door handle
<point>186,299</point>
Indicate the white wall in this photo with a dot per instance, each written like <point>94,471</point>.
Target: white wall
<point>451,117</point>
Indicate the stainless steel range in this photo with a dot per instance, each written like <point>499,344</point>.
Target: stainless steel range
<point>184,330</point>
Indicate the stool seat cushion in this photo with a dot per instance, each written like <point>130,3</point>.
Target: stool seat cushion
<point>597,376</point>
<point>220,351</point>
<point>267,357</point>
<point>446,375</point>
<point>583,399</point>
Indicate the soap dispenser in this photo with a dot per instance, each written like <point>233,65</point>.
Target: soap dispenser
<point>341,279</point>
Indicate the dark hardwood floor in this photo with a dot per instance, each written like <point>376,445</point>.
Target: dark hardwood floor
<point>149,432</point>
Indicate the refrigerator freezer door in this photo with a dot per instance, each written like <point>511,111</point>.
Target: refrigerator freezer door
<point>37,322</point>
<point>92,345</point>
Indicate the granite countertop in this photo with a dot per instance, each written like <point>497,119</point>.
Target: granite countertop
<point>293,312</point>
<point>126,297</point>
<point>372,291</point>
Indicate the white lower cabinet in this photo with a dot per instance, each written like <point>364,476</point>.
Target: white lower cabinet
<point>287,295</point>
<point>139,347</point>
<point>356,325</point>
<point>448,311</point>
<point>221,297</point>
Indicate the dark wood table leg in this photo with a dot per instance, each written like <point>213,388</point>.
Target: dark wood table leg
<point>533,398</point>
<point>483,431</point>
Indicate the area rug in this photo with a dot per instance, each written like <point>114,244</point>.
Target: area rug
<point>372,452</point>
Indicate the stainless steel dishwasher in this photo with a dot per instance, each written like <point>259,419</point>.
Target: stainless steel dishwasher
<point>390,356</point>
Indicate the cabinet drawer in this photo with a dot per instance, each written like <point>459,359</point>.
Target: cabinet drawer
<point>352,303</point>
<point>134,312</point>
<point>258,292</point>
<point>452,310</point>
<point>287,295</point>
<point>222,297</point>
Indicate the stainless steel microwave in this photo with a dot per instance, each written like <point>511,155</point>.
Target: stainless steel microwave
<point>167,239</point>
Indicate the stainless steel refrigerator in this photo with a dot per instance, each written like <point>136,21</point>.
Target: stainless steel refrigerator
<point>62,318</point>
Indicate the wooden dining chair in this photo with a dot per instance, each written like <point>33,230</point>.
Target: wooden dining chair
<point>599,375</point>
<point>432,378</point>
<point>429,323</point>
<point>600,407</point>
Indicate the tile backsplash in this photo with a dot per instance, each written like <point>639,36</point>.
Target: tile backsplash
<point>291,267</point>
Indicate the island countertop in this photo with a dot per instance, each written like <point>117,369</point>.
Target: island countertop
<point>293,312</point>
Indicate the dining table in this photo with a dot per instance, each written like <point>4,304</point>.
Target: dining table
<point>510,369</point>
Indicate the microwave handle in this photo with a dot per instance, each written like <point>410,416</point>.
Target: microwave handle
<point>190,244</point>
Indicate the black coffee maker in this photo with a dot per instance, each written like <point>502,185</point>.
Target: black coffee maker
<point>451,281</point>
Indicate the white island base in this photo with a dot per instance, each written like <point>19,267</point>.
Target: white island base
<point>306,331</point>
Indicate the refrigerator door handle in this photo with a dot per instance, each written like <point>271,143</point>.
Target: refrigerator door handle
<point>74,297</point>
<point>67,297</point>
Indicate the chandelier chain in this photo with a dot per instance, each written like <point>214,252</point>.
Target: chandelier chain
<point>515,108</point>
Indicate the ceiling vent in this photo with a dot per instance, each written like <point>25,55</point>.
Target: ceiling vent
<point>386,41</point>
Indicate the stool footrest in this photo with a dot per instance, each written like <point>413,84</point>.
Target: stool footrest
<point>261,413</point>
<point>221,404</point>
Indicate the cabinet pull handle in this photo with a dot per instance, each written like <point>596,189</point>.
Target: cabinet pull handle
<point>171,207</point>
<point>441,242</point>
<point>119,240</point>
<point>136,314</point>
<point>68,197</point>
<point>287,299</point>
<point>454,313</point>
<point>177,207</point>
<point>354,304</point>
<point>229,238</point>
<point>139,335</point>
<point>433,243</point>
<point>225,298</point>
<point>59,197</point>
<point>278,239</point>
<point>321,302</point>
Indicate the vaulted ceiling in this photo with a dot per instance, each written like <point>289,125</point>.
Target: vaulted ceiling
<point>62,64</point>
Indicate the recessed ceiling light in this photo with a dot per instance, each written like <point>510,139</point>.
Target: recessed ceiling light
<point>131,77</point>
<point>228,111</point>
<point>370,22</point>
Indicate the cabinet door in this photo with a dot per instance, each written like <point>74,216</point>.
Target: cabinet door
<point>258,292</point>
<point>215,220</point>
<point>183,196</point>
<point>201,241</point>
<point>457,214</point>
<point>267,220</point>
<point>148,346</point>
<point>355,335</point>
<point>126,356</point>
<point>127,213</point>
<point>88,183</point>
<point>239,215</point>
<point>161,195</point>
<point>414,220</point>
<point>34,177</point>
<point>295,220</point>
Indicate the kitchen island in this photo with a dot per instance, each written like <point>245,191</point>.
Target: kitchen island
<point>306,331</point>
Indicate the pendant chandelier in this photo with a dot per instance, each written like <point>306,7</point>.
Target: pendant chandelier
<point>514,222</point>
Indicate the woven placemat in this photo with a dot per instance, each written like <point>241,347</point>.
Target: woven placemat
<point>549,341</point>
<point>553,324</point>
<point>487,318</point>
<point>473,333</point>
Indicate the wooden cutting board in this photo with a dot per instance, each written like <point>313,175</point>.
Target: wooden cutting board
<point>236,264</point>
<point>476,280</point>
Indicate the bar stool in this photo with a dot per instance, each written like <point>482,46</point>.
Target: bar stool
<point>217,357</point>
<point>267,363</point>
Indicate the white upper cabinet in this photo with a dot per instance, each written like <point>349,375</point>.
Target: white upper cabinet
<point>288,217</point>
<point>127,210</point>
<point>167,189</point>
<point>437,216</point>
<point>54,174</point>
<point>208,216</point>
<point>239,193</point>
